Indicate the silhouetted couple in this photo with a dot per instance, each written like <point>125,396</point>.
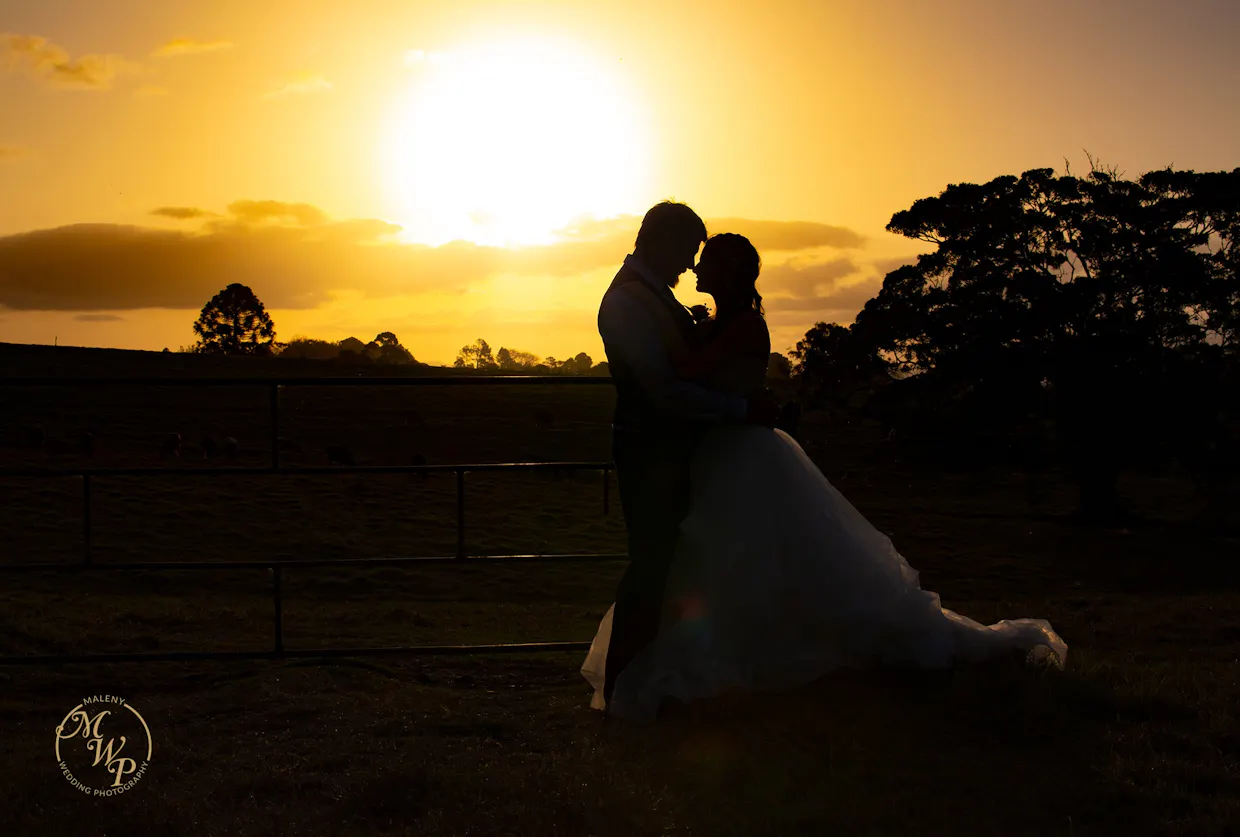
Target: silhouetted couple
<point>748,569</point>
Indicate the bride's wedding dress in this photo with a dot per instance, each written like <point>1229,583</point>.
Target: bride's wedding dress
<point>778,580</point>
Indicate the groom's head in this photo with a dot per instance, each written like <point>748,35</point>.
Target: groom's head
<point>669,239</point>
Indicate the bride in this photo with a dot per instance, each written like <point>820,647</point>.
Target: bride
<point>777,578</point>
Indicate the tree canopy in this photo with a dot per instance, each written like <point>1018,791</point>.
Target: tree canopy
<point>234,322</point>
<point>1089,301</point>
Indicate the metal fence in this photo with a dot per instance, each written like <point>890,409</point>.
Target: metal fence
<point>276,569</point>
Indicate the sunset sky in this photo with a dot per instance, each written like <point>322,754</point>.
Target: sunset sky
<point>455,170</point>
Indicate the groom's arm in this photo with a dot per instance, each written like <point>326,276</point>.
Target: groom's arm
<point>629,334</point>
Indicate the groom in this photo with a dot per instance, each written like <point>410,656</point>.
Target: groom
<point>658,417</point>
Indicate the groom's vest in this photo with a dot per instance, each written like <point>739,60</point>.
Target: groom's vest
<point>635,408</point>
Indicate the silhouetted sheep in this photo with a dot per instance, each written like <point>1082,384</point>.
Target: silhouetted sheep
<point>232,449</point>
<point>209,447</point>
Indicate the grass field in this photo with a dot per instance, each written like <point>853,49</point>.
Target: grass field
<point>1140,735</point>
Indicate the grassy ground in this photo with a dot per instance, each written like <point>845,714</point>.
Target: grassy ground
<point>1139,736</point>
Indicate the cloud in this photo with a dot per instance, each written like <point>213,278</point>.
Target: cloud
<point>188,46</point>
<point>304,85</point>
<point>52,64</point>
<point>788,235</point>
<point>766,236</point>
<point>833,290</point>
<point>295,256</point>
<point>109,267</point>
<point>851,298</point>
<point>885,266</point>
<point>258,211</point>
<point>98,318</point>
<point>182,213</point>
<point>591,243</point>
<point>804,279</point>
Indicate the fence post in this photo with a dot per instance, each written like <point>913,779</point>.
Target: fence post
<point>275,426</point>
<point>85,518</point>
<point>460,512</point>
<point>277,586</point>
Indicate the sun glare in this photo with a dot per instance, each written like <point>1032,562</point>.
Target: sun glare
<point>506,143</point>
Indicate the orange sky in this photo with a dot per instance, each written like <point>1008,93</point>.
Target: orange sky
<point>329,153</point>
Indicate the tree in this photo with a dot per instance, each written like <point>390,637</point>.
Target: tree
<point>390,350</point>
<point>477,355</point>
<point>831,362</point>
<point>1091,289</point>
<point>309,347</point>
<point>513,359</point>
<point>578,365</point>
<point>234,322</point>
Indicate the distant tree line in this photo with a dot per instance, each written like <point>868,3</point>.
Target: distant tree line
<point>477,356</point>
<point>385,349</point>
<point>1091,320</point>
<point>235,322</point>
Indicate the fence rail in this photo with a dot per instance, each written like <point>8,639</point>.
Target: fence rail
<point>277,568</point>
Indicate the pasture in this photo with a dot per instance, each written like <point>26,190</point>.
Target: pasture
<point>1140,735</point>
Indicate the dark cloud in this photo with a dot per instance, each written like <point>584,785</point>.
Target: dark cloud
<point>112,267</point>
<point>797,292</point>
<point>852,297</point>
<point>98,318</point>
<point>788,235</point>
<point>294,256</point>
<point>804,279</point>
<point>182,213</point>
<point>43,59</point>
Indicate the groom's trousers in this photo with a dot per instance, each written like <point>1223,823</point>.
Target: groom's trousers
<point>652,468</point>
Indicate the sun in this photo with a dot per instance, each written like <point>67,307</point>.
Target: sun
<point>505,143</point>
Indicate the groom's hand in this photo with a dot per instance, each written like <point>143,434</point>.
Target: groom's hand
<point>762,409</point>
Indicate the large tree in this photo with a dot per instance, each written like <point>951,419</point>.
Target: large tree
<point>830,363</point>
<point>389,350</point>
<point>311,348</point>
<point>477,355</point>
<point>234,322</point>
<point>1097,290</point>
<point>511,359</point>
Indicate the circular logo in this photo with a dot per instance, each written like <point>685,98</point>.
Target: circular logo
<point>103,746</point>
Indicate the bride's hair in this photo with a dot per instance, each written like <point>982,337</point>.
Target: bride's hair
<point>744,263</point>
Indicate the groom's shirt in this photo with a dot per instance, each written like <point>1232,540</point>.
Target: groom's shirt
<point>640,321</point>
